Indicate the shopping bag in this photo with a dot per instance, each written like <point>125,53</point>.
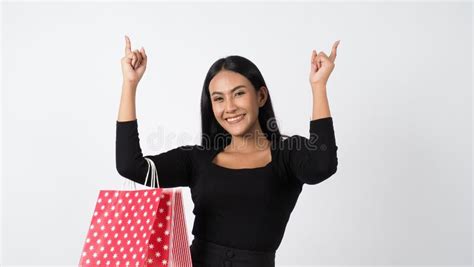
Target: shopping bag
<point>138,228</point>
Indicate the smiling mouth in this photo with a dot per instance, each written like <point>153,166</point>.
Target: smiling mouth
<point>236,119</point>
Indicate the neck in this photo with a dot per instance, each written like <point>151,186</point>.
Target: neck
<point>252,141</point>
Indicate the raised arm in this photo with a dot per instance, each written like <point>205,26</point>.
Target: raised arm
<point>174,166</point>
<point>313,160</point>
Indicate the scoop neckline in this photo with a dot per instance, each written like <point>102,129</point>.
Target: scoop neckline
<point>214,154</point>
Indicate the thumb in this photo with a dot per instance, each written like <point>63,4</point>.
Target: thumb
<point>144,56</point>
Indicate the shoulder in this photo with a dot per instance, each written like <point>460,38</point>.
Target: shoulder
<point>282,157</point>
<point>293,150</point>
<point>287,146</point>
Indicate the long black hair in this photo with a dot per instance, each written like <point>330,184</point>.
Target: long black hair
<point>213,135</point>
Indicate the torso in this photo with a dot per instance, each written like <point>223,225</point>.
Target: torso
<point>242,200</point>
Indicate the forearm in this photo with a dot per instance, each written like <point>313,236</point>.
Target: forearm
<point>127,111</point>
<point>320,103</point>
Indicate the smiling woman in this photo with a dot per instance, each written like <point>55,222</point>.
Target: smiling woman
<point>235,87</point>
<point>245,176</point>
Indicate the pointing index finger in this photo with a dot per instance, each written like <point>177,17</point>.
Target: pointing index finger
<point>128,46</point>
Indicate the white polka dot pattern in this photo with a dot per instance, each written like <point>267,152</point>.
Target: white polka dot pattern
<point>137,228</point>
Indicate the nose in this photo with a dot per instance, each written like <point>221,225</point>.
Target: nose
<point>230,106</point>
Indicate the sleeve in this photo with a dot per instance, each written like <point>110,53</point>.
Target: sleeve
<point>312,160</point>
<point>174,167</point>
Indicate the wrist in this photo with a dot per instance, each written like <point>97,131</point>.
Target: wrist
<point>126,85</point>
<point>318,88</point>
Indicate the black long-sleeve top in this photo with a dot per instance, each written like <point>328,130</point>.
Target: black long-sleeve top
<point>242,208</point>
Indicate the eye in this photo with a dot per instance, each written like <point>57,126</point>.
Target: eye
<point>240,93</point>
<point>217,98</point>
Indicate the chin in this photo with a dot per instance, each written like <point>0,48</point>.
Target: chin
<point>235,131</point>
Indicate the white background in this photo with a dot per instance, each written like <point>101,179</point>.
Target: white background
<point>400,97</point>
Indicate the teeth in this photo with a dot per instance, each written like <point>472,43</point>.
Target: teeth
<point>234,118</point>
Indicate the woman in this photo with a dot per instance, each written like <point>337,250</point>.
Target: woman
<point>245,178</point>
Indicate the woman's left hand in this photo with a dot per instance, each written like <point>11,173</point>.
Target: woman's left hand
<point>322,66</point>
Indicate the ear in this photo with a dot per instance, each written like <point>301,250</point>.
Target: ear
<point>262,96</point>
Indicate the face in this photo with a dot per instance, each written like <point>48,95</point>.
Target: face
<point>233,96</point>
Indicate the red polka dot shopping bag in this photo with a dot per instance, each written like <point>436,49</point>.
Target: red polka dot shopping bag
<point>138,228</point>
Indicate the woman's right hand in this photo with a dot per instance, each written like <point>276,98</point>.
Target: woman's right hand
<point>133,63</point>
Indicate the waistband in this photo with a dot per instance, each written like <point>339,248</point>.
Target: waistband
<point>230,255</point>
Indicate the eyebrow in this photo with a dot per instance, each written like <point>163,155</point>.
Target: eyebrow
<point>237,87</point>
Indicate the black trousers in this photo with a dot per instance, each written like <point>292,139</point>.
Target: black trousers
<point>207,254</point>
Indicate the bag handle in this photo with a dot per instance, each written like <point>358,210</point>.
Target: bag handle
<point>154,177</point>
<point>154,174</point>
<point>130,184</point>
